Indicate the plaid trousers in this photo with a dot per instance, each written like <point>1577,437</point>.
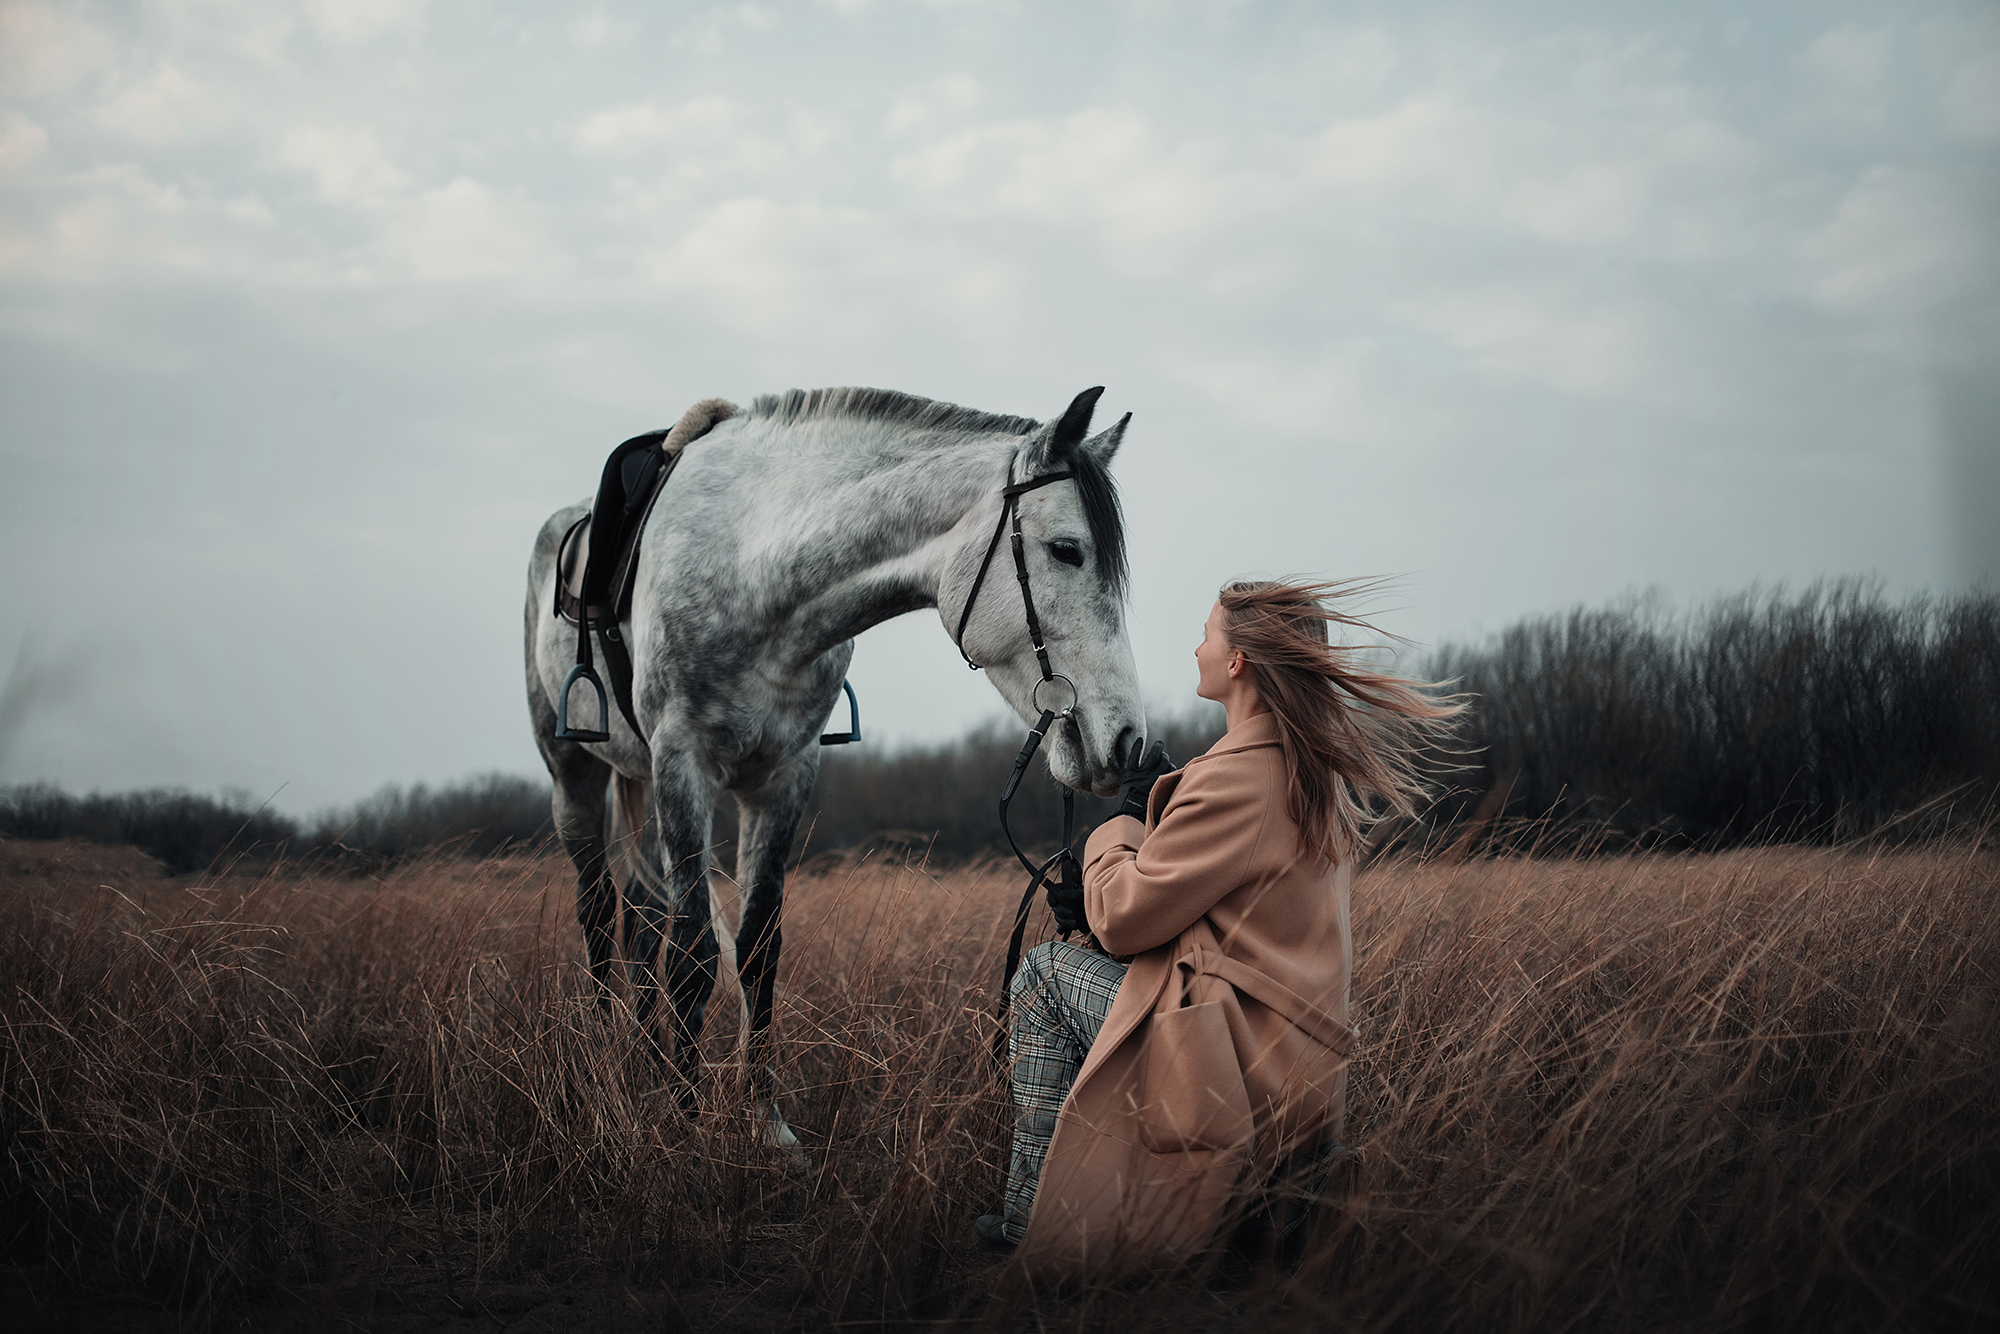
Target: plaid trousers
<point>1056,1006</point>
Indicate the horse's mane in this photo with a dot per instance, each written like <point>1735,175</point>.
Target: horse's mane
<point>1101,510</point>
<point>884,405</point>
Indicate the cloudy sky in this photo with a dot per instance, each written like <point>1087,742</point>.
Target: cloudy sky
<point>311,312</point>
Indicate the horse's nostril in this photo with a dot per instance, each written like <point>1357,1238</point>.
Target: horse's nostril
<point>1121,745</point>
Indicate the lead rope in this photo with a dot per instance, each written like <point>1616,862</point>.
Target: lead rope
<point>1063,861</point>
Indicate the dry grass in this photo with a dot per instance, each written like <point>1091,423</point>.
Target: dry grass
<point>1751,1090</point>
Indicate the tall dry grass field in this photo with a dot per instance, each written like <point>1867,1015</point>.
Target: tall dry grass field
<point>1746,1091</point>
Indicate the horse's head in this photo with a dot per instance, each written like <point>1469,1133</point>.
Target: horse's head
<point>1074,544</point>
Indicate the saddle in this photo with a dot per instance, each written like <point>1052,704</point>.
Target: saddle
<point>597,566</point>
<point>597,563</point>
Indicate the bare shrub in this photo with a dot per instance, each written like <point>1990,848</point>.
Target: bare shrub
<point>477,816</point>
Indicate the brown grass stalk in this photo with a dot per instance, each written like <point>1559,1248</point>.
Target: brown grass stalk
<point>1748,1090</point>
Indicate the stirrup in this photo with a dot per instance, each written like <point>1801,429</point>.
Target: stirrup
<point>563,730</point>
<point>853,732</point>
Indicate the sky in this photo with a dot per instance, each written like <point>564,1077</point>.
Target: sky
<point>310,313</point>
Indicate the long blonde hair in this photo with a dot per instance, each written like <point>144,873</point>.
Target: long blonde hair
<point>1350,732</point>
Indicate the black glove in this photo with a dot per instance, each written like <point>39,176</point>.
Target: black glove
<point>1135,781</point>
<point>1066,906</point>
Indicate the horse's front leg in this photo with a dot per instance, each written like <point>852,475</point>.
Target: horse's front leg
<point>770,820</point>
<point>669,904</point>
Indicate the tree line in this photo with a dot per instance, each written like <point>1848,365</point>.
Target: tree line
<point>1811,716</point>
<point>188,831</point>
<point>1818,716</point>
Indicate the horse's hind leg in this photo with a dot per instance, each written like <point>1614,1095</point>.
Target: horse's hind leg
<point>579,809</point>
<point>770,820</point>
<point>670,903</point>
<point>579,813</point>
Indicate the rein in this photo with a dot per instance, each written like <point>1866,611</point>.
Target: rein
<point>1063,860</point>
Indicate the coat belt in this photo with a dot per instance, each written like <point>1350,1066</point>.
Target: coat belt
<point>1273,995</point>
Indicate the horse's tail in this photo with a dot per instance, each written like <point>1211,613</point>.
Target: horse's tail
<point>628,824</point>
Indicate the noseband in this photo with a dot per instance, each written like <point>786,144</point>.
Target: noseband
<point>1063,860</point>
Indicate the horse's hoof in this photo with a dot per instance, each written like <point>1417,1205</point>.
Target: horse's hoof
<point>778,1137</point>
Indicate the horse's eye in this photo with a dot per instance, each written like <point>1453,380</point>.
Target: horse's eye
<point>1066,551</point>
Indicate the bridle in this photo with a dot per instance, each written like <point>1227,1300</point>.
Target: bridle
<point>1063,860</point>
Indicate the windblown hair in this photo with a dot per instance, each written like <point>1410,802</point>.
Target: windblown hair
<point>1351,733</point>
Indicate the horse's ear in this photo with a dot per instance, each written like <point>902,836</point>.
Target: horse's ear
<point>1104,444</point>
<point>1053,445</point>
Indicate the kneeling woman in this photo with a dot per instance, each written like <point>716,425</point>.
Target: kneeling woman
<point>1200,1031</point>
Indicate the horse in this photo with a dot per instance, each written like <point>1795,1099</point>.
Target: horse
<point>784,532</point>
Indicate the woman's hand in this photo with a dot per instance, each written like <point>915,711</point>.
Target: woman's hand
<point>1066,906</point>
<point>1135,782</point>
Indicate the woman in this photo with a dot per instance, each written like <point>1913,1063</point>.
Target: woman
<point>1200,1031</point>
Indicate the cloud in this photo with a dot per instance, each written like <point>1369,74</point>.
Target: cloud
<point>120,220</point>
<point>1331,394</point>
<point>466,231</point>
<point>1596,202</point>
<point>1708,193</point>
<point>1972,98</point>
<point>713,36</point>
<point>1903,242</point>
<point>352,22</point>
<point>46,50</point>
<point>765,265</point>
<point>639,126</point>
<point>1542,336</point>
<point>1708,149</point>
<point>1145,194</point>
<point>1644,167</point>
<point>1357,64</point>
<point>1431,140</point>
<point>952,95</point>
<point>22,142</point>
<point>589,31</point>
<point>161,108</point>
<point>823,274</point>
<point>345,164</point>
<point>1849,57</point>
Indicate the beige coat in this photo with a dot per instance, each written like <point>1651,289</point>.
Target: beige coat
<point>1228,1041</point>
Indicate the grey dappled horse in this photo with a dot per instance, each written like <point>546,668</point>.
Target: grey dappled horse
<point>786,531</point>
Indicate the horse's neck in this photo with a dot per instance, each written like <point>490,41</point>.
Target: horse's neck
<point>868,535</point>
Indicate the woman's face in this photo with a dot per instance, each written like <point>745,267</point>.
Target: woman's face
<point>1212,657</point>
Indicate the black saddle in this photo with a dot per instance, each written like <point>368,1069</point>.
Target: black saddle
<point>597,565</point>
<point>598,561</point>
